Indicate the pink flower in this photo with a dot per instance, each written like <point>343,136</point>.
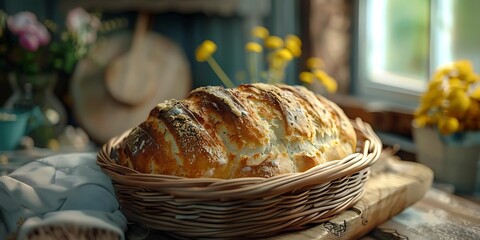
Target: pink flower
<point>39,31</point>
<point>83,24</point>
<point>29,41</point>
<point>31,33</point>
<point>19,21</point>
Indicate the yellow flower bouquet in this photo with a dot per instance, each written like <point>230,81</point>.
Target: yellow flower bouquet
<point>452,100</point>
<point>446,126</point>
<point>278,54</point>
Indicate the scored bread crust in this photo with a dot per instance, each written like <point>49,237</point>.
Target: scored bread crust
<point>253,130</point>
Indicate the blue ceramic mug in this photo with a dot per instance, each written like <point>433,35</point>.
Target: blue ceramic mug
<point>14,124</point>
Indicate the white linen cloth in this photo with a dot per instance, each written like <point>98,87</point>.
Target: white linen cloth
<point>69,188</point>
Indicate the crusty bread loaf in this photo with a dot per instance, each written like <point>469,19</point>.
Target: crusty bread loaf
<point>254,130</point>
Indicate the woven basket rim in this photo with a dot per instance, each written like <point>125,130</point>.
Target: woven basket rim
<point>248,187</point>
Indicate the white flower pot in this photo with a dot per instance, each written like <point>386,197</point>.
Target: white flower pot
<point>454,159</point>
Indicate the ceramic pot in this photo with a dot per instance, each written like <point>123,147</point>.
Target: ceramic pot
<point>454,159</point>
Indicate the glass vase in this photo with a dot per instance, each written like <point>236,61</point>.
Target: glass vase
<point>35,93</point>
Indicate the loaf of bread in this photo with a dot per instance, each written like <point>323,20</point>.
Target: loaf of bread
<point>253,130</point>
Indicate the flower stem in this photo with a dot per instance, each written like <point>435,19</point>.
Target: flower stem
<point>220,73</point>
<point>253,63</point>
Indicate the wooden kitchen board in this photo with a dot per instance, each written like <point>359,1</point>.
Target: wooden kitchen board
<point>393,186</point>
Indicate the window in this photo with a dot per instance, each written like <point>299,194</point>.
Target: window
<point>401,43</point>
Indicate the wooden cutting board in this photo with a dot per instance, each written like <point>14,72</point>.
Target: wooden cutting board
<point>393,186</point>
<point>107,102</point>
<point>131,78</point>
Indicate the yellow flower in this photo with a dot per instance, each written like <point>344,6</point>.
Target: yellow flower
<point>283,54</point>
<point>306,77</point>
<point>294,39</point>
<point>476,93</point>
<point>260,32</point>
<point>421,120</point>
<point>314,63</point>
<point>429,97</point>
<point>451,100</point>
<point>438,76</point>
<point>459,103</point>
<point>456,83</point>
<point>205,50</point>
<point>446,70</point>
<point>329,83</point>
<point>320,74</point>
<point>448,125</point>
<point>273,42</point>
<point>253,47</point>
<point>204,53</point>
<point>435,84</point>
<point>464,67</point>
<point>456,93</point>
<point>432,98</point>
<point>472,78</point>
<point>293,47</point>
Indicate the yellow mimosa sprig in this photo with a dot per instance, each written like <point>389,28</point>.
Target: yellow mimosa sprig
<point>254,50</point>
<point>294,45</point>
<point>278,61</point>
<point>279,53</point>
<point>272,44</point>
<point>316,65</point>
<point>452,99</point>
<point>205,53</point>
<point>260,32</point>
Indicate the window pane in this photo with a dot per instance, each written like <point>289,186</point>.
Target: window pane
<point>407,37</point>
<point>402,42</point>
<point>458,32</point>
<point>398,39</point>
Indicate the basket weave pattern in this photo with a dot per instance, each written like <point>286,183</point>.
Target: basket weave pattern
<point>242,207</point>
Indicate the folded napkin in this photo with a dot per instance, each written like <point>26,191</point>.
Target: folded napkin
<point>63,194</point>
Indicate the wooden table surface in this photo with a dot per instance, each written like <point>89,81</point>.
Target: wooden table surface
<point>439,215</point>
<point>399,203</point>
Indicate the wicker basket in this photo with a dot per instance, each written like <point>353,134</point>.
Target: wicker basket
<point>242,207</point>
